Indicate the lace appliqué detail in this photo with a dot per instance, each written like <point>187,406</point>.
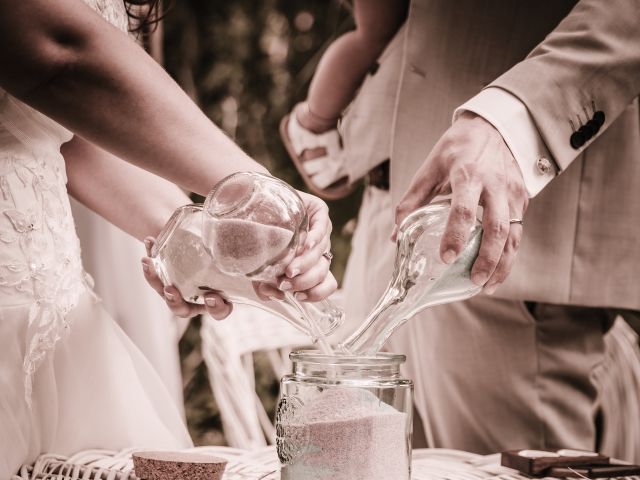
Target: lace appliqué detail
<point>112,11</point>
<point>40,262</point>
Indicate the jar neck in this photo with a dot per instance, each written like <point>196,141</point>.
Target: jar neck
<point>315,365</point>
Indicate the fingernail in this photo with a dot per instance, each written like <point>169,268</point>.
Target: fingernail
<point>285,286</point>
<point>147,242</point>
<point>449,256</point>
<point>394,233</point>
<point>301,296</point>
<point>479,278</point>
<point>293,273</point>
<point>210,301</point>
<point>169,296</point>
<point>310,245</point>
<point>145,266</point>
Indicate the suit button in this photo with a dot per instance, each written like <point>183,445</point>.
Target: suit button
<point>587,130</point>
<point>544,165</point>
<point>593,125</point>
<point>577,139</point>
<point>599,117</point>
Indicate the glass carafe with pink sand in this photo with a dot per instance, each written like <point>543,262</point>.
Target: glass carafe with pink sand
<point>248,230</point>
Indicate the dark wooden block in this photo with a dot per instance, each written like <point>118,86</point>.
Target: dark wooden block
<point>538,465</point>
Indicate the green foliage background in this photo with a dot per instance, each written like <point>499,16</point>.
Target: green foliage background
<point>246,63</point>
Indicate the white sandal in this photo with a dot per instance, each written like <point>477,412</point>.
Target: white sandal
<point>325,176</point>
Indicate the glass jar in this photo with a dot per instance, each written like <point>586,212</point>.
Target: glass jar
<point>345,418</point>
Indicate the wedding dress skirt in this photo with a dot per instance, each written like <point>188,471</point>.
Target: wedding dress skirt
<point>94,390</point>
<point>112,258</point>
<point>70,379</point>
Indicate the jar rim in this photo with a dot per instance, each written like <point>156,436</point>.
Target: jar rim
<point>319,358</point>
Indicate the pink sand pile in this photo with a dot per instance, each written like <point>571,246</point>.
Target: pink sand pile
<point>242,246</point>
<point>348,434</point>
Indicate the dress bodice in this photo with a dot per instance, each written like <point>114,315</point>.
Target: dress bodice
<point>40,265</point>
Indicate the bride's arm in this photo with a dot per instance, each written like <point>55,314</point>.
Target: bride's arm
<point>140,203</point>
<point>132,199</point>
<point>66,61</point>
<point>135,201</point>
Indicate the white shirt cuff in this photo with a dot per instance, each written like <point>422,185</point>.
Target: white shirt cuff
<point>514,122</point>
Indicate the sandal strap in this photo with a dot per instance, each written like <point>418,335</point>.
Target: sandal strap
<point>324,170</point>
<point>302,139</point>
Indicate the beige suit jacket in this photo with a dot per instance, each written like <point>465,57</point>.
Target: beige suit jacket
<point>581,240</point>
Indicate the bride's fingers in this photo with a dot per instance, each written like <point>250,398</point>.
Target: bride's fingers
<point>307,260</point>
<point>216,306</point>
<point>319,222</point>
<point>178,306</point>
<point>151,276</point>
<point>302,244</point>
<point>309,279</point>
<point>149,242</point>
<point>320,291</point>
<point>318,231</point>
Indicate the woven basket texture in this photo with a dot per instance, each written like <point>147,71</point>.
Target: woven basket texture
<point>262,464</point>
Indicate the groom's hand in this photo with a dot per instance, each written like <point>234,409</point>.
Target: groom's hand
<point>472,162</point>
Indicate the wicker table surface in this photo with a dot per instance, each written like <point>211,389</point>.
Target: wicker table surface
<point>262,464</point>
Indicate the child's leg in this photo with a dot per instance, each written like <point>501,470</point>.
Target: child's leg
<point>347,61</point>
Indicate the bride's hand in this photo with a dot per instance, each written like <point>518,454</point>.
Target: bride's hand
<point>215,305</point>
<point>308,274</point>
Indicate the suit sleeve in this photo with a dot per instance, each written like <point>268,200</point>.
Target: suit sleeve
<point>581,77</point>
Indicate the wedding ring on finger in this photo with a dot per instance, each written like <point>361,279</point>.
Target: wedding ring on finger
<point>328,256</point>
<point>516,220</point>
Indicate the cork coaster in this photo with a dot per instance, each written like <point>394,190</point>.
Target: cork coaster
<point>177,466</point>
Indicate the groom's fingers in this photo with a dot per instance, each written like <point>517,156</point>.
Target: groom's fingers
<point>462,216</point>
<point>507,260</point>
<point>421,191</point>
<point>495,225</point>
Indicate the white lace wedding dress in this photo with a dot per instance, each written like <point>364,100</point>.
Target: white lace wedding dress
<point>70,379</point>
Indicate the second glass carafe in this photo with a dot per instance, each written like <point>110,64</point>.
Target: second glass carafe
<point>420,278</point>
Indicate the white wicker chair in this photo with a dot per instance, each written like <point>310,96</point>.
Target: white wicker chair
<point>618,381</point>
<point>228,348</point>
<point>262,464</point>
<point>107,465</point>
